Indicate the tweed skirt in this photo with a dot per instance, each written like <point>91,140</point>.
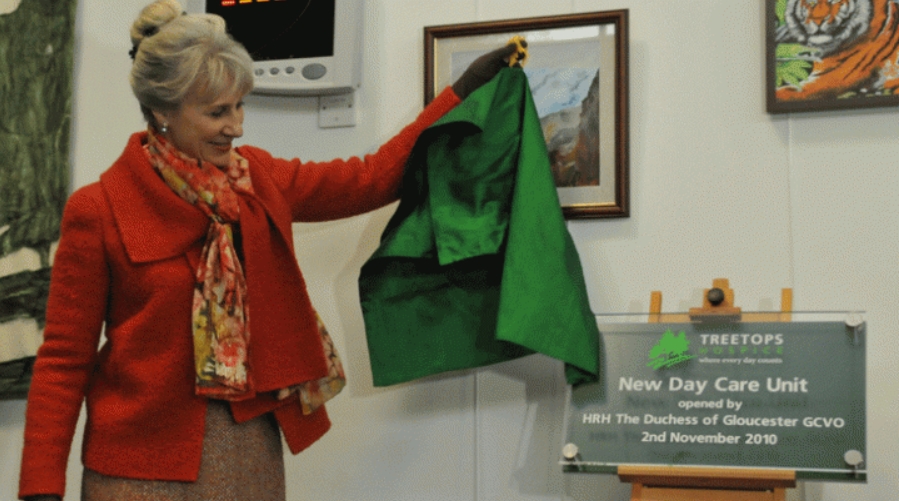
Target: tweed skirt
<point>241,462</point>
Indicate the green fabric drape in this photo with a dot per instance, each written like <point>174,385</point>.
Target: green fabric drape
<point>476,266</point>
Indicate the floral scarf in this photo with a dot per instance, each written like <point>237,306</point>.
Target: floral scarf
<point>221,334</point>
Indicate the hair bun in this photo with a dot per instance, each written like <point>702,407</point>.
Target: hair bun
<point>151,19</point>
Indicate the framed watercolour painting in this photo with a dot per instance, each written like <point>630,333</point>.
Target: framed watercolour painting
<point>831,54</point>
<point>577,69</point>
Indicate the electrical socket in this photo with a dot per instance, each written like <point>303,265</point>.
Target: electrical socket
<point>336,110</point>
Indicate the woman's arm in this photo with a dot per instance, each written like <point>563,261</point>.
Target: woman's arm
<point>320,191</point>
<point>76,308</point>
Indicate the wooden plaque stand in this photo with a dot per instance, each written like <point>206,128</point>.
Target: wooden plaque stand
<point>672,483</point>
<point>720,311</point>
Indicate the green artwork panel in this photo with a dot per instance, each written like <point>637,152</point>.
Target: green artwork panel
<point>36,58</point>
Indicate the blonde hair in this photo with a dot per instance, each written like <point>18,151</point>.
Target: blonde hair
<point>176,54</point>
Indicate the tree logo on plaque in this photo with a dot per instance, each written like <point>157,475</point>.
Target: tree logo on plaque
<point>670,350</point>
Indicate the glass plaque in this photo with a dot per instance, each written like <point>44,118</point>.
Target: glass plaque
<point>767,394</point>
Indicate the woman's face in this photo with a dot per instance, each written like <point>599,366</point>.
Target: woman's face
<point>204,129</point>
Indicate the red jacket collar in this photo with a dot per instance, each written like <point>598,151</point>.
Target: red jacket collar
<point>154,222</point>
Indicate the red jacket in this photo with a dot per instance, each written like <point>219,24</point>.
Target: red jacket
<point>126,261</point>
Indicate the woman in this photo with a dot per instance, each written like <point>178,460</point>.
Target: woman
<point>182,255</point>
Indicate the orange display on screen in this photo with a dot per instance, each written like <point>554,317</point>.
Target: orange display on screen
<point>229,3</point>
<point>276,30</point>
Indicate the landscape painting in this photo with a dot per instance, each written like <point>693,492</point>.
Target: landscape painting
<point>577,70</point>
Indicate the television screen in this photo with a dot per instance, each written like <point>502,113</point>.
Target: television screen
<point>299,47</point>
<point>279,29</point>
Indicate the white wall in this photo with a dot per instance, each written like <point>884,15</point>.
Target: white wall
<point>719,189</point>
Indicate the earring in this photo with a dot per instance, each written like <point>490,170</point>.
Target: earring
<point>164,128</point>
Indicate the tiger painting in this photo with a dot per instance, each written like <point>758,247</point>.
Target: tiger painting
<point>829,49</point>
